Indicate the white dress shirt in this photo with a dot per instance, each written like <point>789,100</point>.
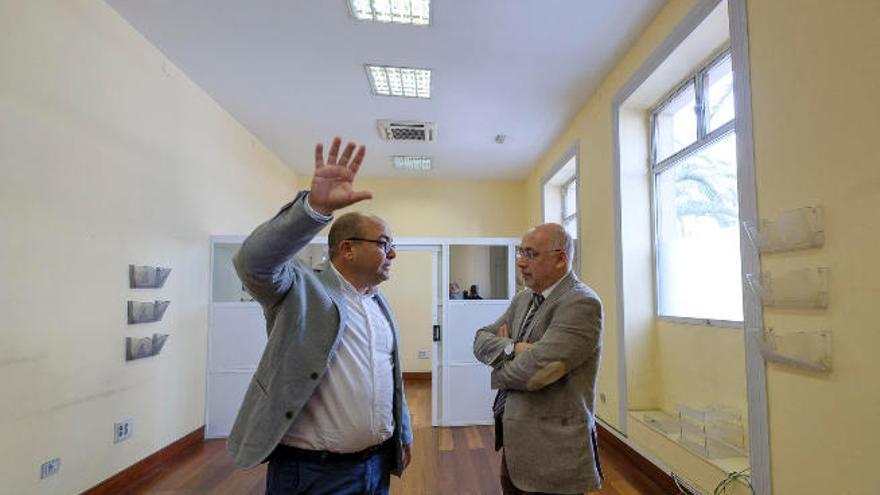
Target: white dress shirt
<point>352,407</point>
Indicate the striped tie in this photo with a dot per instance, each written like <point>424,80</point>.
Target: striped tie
<point>501,397</point>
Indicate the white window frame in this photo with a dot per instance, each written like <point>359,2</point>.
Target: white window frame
<point>756,374</point>
<point>704,140</point>
<point>566,215</point>
<point>572,153</point>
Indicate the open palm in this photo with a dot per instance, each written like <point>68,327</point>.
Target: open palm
<point>332,182</point>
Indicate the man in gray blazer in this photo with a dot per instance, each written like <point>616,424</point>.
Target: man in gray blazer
<point>326,406</point>
<point>544,351</point>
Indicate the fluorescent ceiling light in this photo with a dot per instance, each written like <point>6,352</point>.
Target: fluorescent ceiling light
<point>400,81</point>
<point>417,12</point>
<point>421,163</point>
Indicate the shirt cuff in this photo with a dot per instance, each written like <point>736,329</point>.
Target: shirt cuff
<point>502,355</point>
<point>318,217</point>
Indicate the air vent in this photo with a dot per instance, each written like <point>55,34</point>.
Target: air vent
<point>407,131</point>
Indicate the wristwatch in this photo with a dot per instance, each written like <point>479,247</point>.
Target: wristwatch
<point>508,350</point>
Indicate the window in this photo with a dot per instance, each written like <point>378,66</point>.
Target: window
<point>560,198</point>
<point>569,207</point>
<point>696,210</point>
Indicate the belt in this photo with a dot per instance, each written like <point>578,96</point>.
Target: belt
<point>289,452</point>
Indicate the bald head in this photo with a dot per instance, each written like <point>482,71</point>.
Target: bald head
<point>350,225</point>
<point>557,238</point>
<point>544,256</point>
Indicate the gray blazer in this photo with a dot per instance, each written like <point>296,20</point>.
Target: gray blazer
<point>548,423</point>
<point>304,312</point>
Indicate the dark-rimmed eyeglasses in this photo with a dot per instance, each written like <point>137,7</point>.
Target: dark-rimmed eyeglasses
<point>530,254</point>
<point>384,244</point>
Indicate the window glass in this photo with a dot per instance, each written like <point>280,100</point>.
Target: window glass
<point>569,196</point>
<point>698,235</point>
<point>719,94</point>
<point>570,226</point>
<point>676,123</point>
<point>478,272</point>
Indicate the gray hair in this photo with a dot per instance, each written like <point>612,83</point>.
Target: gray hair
<point>561,240</point>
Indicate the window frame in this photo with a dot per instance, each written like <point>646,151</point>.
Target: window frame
<point>705,139</point>
<point>570,154</point>
<point>565,216</point>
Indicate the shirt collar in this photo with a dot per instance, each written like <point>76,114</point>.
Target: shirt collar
<point>347,287</point>
<point>546,292</point>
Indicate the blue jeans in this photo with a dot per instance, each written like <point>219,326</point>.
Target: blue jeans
<point>287,476</point>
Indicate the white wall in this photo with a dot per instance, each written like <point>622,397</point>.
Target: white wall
<point>109,156</point>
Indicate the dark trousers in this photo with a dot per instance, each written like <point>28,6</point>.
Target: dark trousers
<point>293,475</point>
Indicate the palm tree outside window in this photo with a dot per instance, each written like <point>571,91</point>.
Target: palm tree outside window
<point>696,214</point>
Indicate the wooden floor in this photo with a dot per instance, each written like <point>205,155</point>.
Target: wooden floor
<point>447,461</point>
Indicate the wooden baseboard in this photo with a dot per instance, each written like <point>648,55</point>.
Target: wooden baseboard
<point>417,375</point>
<point>659,477</point>
<point>132,475</point>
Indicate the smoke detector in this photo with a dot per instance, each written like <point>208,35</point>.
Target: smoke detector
<point>390,130</point>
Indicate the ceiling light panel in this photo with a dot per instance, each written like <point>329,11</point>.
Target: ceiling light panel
<point>420,163</point>
<point>400,81</point>
<point>416,12</point>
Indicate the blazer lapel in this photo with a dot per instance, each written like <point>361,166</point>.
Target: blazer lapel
<point>565,284</point>
<point>325,273</point>
<point>385,307</point>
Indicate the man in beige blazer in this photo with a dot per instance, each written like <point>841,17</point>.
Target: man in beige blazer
<point>544,352</point>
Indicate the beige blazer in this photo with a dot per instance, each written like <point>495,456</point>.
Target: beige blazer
<point>548,423</point>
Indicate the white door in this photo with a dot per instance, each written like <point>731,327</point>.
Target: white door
<point>466,380</point>
<point>466,396</point>
<point>236,342</point>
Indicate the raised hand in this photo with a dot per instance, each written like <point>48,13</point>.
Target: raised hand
<point>332,182</point>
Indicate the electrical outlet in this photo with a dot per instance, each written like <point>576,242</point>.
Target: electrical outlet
<point>424,354</point>
<point>50,467</point>
<point>123,430</point>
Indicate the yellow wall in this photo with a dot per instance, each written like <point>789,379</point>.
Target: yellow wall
<point>701,367</point>
<point>109,156</point>
<point>445,208</point>
<point>815,68</point>
<point>409,294</point>
<point>592,126</point>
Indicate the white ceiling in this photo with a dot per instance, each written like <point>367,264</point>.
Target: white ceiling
<point>292,72</point>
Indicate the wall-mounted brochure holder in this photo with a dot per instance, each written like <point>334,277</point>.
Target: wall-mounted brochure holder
<point>713,433</point>
<point>802,228</point>
<point>803,288</point>
<point>147,277</point>
<point>806,350</point>
<point>146,312</point>
<point>136,348</point>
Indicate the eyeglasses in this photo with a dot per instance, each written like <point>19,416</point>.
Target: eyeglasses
<point>531,254</point>
<point>384,244</point>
